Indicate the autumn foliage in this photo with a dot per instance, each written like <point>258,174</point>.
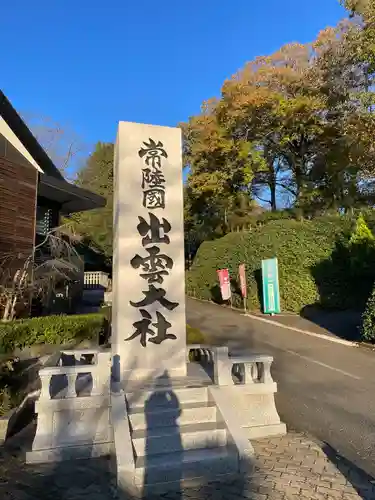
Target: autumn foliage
<point>294,128</point>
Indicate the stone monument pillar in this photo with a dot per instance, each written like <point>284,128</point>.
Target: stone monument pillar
<point>148,308</point>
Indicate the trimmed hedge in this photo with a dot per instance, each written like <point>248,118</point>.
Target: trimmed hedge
<point>368,320</point>
<point>315,264</point>
<point>60,330</point>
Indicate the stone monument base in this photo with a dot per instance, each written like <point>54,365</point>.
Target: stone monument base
<point>163,432</point>
<point>69,429</point>
<point>74,408</point>
<point>189,431</point>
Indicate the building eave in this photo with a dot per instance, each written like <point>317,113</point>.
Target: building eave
<point>71,198</point>
<point>52,184</point>
<point>23,133</point>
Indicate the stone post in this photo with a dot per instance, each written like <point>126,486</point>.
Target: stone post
<point>266,377</point>
<point>222,367</point>
<point>148,306</point>
<point>45,382</point>
<point>71,390</point>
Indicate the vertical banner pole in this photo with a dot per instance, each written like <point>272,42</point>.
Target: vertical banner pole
<point>242,277</point>
<point>224,280</point>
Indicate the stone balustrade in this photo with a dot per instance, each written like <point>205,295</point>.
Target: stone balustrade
<point>200,352</point>
<point>251,369</point>
<point>233,369</point>
<point>73,407</point>
<point>82,370</point>
<point>74,418</point>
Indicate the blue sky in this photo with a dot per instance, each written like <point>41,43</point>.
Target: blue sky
<point>88,64</point>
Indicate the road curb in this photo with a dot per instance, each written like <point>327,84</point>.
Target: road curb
<point>322,336</point>
<point>336,340</point>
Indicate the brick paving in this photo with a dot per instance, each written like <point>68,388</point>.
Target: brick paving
<point>287,468</point>
<point>294,466</point>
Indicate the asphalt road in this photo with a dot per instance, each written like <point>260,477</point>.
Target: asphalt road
<point>325,389</point>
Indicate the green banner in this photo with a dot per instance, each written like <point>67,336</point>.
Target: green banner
<point>270,283</point>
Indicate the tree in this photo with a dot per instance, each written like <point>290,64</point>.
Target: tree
<point>347,161</point>
<point>270,103</point>
<point>219,167</point>
<point>260,128</point>
<point>52,267</point>
<point>361,233</point>
<point>365,39</point>
<point>304,109</point>
<point>297,124</point>
<point>269,173</point>
<point>243,212</point>
<point>97,176</point>
<point>62,144</point>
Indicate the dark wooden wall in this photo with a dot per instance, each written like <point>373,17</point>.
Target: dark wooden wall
<point>18,194</point>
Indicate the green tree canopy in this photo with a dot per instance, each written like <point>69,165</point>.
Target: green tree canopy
<point>97,176</point>
<point>297,122</point>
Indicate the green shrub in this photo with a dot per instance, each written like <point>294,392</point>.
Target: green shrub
<point>310,271</point>
<point>104,337</point>
<point>11,392</point>
<point>269,216</point>
<point>50,330</point>
<point>368,320</point>
<point>361,233</point>
<point>6,402</point>
<point>194,336</point>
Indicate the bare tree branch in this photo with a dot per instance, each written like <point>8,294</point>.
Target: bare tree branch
<point>61,144</point>
<point>52,264</point>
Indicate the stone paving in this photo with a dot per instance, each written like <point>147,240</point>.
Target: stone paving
<point>287,468</point>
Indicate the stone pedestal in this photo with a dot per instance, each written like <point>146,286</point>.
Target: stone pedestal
<point>148,309</point>
<point>74,408</point>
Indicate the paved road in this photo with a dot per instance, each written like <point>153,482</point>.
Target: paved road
<point>325,389</point>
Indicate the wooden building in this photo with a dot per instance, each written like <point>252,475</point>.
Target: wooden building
<point>33,193</point>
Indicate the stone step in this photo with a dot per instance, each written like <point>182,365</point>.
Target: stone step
<point>188,413</point>
<point>159,397</point>
<point>262,431</point>
<point>200,379</point>
<point>178,438</point>
<point>176,467</point>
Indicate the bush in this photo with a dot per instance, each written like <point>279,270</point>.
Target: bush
<point>104,337</point>
<point>361,233</point>
<point>61,330</point>
<point>6,402</point>
<point>11,393</point>
<point>368,320</point>
<point>301,247</point>
<point>194,336</point>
